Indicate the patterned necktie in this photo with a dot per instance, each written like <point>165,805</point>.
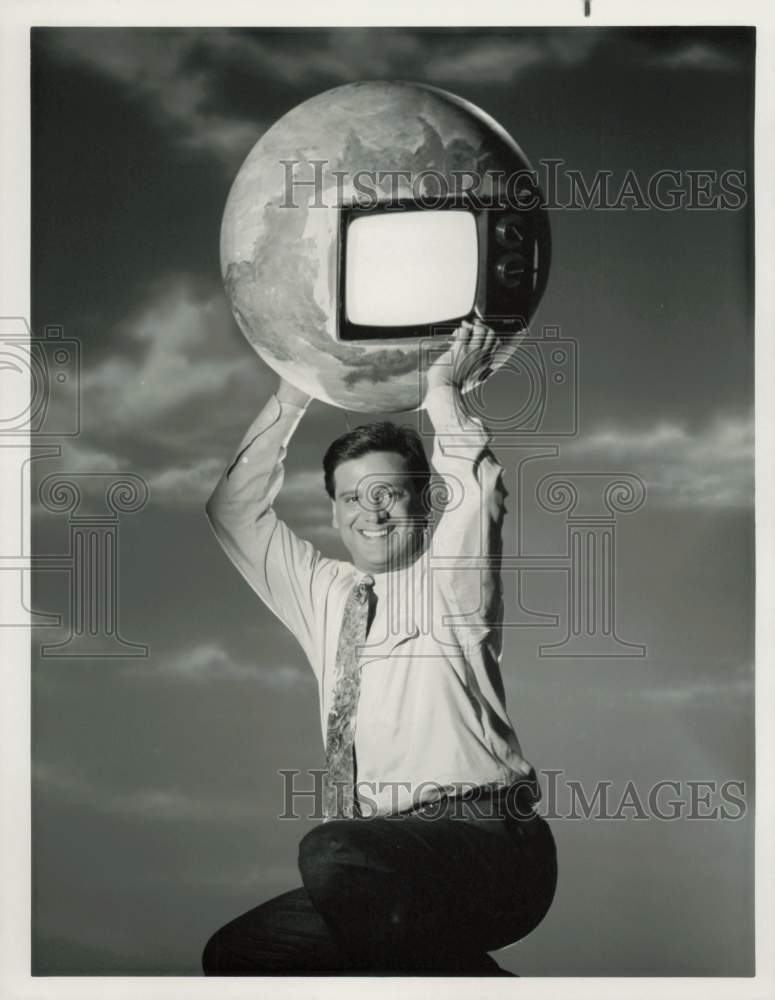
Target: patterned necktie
<point>340,735</point>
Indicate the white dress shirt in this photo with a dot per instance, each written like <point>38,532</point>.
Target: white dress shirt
<point>431,713</point>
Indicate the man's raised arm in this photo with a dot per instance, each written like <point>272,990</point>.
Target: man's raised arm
<point>277,564</point>
<point>468,537</point>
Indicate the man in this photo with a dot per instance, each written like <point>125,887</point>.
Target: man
<point>431,854</point>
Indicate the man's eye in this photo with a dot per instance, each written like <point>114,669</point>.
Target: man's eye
<point>351,499</point>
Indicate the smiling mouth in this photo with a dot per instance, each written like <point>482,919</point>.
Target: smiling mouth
<point>376,533</point>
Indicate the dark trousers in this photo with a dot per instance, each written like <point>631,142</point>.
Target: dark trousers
<point>425,893</point>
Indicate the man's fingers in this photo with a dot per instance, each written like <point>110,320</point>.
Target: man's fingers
<point>477,338</point>
<point>473,344</point>
<point>461,340</point>
<point>482,340</point>
<point>480,328</point>
<point>484,345</point>
<point>491,343</point>
<point>489,354</point>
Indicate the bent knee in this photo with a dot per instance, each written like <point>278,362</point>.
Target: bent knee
<point>318,849</point>
<point>211,955</point>
<point>232,952</point>
<point>327,852</point>
<point>228,953</point>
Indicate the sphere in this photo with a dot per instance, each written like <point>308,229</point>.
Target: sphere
<point>281,226</point>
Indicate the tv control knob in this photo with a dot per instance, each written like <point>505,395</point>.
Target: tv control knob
<point>510,231</point>
<point>528,196</point>
<point>510,269</point>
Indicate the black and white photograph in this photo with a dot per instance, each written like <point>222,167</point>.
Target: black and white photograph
<point>382,499</point>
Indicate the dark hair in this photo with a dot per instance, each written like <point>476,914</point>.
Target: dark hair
<point>382,436</point>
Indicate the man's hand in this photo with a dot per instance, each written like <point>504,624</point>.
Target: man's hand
<point>288,393</point>
<point>465,362</point>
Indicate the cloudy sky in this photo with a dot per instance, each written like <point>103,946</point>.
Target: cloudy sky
<point>156,786</point>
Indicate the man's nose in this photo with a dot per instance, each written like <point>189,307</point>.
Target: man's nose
<point>380,503</point>
<point>378,510</point>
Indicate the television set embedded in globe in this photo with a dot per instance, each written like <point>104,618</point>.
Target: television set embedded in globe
<point>410,271</point>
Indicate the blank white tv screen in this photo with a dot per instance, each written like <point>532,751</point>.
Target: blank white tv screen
<point>407,268</point>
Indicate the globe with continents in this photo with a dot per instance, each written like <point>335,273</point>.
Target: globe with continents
<point>280,229</point>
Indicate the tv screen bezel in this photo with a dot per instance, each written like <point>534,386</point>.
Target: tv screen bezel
<point>420,272</point>
<point>348,332</point>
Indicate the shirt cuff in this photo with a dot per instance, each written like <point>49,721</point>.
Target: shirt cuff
<point>285,405</point>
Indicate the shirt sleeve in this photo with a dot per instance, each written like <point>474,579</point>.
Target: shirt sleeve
<point>467,543</point>
<point>278,565</point>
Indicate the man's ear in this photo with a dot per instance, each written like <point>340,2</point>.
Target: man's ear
<point>334,521</point>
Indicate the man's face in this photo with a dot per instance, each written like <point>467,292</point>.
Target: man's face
<point>377,511</point>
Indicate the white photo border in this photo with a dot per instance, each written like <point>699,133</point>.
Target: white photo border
<point>16,19</point>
